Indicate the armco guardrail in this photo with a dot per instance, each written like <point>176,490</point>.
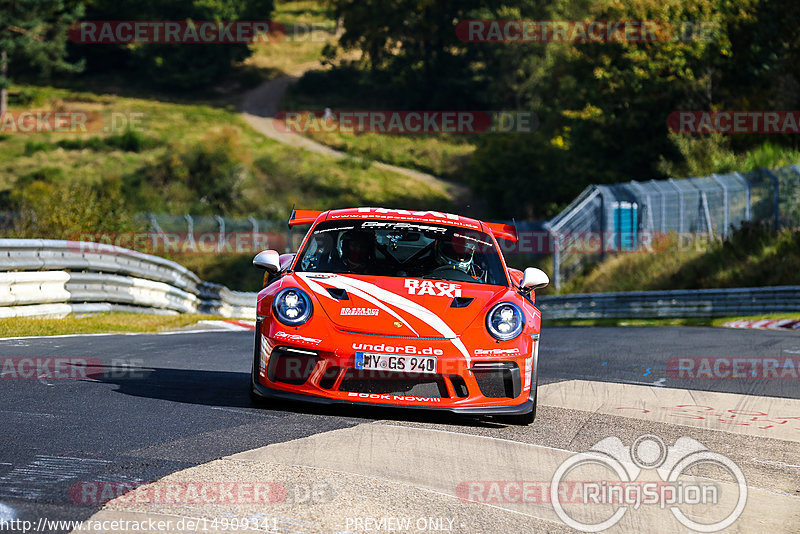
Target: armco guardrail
<point>53,277</point>
<point>50,254</point>
<point>676,303</point>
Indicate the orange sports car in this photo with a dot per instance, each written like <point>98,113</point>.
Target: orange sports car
<point>398,308</point>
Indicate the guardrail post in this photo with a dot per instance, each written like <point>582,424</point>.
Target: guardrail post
<point>221,240</point>
<point>776,196</point>
<point>725,202</point>
<point>602,224</point>
<point>556,262</point>
<point>254,224</point>
<point>747,214</point>
<point>190,232</point>
<point>680,205</point>
<point>156,229</point>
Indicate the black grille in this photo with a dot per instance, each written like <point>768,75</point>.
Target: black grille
<point>459,386</point>
<point>360,381</point>
<point>291,366</point>
<point>337,293</point>
<point>497,379</point>
<point>329,377</point>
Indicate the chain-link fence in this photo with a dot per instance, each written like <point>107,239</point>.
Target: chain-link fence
<point>629,216</point>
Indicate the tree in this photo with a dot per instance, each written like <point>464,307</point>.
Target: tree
<point>35,32</point>
<point>416,40</point>
<point>177,66</point>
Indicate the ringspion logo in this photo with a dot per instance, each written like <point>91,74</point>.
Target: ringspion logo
<point>677,490</point>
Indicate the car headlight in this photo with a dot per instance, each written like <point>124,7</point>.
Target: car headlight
<point>505,321</point>
<point>292,306</point>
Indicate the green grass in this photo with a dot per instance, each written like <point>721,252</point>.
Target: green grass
<point>309,28</point>
<point>445,156</point>
<point>277,176</point>
<point>98,323</point>
<point>752,256</point>
<point>181,154</point>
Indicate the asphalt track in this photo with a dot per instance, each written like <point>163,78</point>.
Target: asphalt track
<point>182,403</point>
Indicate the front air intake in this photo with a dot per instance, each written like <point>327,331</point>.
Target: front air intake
<point>497,380</point>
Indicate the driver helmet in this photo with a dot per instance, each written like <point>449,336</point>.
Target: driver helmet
<point>457,250</point>
<point>356,248</point>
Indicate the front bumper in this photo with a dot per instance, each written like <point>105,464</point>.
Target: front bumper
<point>521,409</point>
<point>493,386</point>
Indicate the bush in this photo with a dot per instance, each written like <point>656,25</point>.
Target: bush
<point>208,176</point>
<point>61,209</point>
<point>32,147</point>
<point>700,156</point>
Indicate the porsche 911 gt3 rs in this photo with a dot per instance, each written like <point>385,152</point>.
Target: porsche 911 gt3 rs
<point>398,308</point>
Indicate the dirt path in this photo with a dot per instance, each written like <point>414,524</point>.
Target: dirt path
<point>261,104</point>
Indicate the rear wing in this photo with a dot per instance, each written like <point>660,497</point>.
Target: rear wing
<point>503,231</point>
<point>300,217</point>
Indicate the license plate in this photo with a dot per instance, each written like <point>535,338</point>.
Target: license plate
<point>394,362</point>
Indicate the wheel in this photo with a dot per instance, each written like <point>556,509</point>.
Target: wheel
<point>528,418</point>
<point>257,399</point>
<point>521,420</point>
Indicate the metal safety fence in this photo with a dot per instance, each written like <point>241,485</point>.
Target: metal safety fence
<point>608,219</point>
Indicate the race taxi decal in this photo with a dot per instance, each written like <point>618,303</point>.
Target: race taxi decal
<point>429,287</point>
<point>360,312</point>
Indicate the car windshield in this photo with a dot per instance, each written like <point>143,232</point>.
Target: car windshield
<point>402,249</point>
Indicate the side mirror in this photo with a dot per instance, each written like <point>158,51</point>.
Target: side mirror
<point>534,278</point>
<point>268,260</point>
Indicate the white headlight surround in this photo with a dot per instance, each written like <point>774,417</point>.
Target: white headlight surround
<point>292,306</point>
<point>505,321</point>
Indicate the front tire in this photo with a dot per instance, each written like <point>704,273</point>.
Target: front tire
<point>527,418</point>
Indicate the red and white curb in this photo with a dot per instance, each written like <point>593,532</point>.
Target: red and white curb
<point>767,324</point>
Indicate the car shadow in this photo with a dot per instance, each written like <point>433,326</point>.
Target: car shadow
<point>227,389</point>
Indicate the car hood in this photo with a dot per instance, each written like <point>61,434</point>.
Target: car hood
<point>404,307</point>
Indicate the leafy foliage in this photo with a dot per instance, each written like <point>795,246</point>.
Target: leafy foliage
<point>602,106</point>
